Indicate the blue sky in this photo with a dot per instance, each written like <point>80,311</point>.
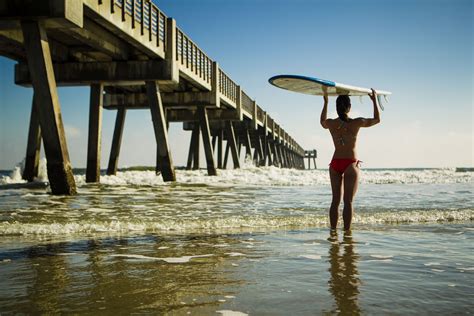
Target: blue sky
<point>421,50</point>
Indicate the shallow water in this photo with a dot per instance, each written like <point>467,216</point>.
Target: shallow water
<point>252,241</point>
<point>389,270</point>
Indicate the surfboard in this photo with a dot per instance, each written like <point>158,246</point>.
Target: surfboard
<point>316,86</point>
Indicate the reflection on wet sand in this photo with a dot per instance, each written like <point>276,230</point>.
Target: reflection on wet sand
<point>344,278</point>
<point>88,276</point>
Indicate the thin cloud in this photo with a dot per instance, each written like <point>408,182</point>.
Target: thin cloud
<point>72,131</point>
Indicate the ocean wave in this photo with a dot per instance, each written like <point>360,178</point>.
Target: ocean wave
<point>264,176</point>
<point>272,176</point>
<point>229,224</point>
<point>15,175</point>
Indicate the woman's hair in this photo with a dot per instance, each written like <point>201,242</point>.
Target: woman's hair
<point>343,106</point>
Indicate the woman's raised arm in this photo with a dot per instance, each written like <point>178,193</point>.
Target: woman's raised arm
<point>324,112</point>
<point>367,122</point>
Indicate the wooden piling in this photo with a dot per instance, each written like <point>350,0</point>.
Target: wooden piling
<point>196,151</point>
<point>34,145</point>
<point>214,140</point>
<point>226,155</point>
<point>158,161</point>
<point>239,149</point>
<point>161,131</point>
<point>220,140</point>
<point>40,65</point>
<point>116,141</point>
<point>192,143</point>
<point>255,155</point>
<point>259,148</point>
<point>282,156</point>
<point>206,139</point>
<point>248,145</point>
<point>95,133</point>
<point>276,160</point>
<point>232,144</point>
<point>268,151</point>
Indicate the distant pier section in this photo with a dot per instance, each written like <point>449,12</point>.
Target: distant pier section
<point>133,57</point>
<point>311,155</point>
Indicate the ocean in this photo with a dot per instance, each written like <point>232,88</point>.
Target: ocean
<point>249,241</point>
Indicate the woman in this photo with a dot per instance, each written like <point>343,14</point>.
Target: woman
<point>344,169</point>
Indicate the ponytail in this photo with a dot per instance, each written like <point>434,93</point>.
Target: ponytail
<point>343,106</point>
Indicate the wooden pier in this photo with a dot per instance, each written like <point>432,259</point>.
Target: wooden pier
<point>133,57</point>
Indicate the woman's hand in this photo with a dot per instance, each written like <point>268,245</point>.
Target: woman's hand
<point>325,96</point>
<point>373,96</point>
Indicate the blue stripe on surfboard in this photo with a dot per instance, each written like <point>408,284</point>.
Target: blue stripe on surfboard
<point>326,83</point>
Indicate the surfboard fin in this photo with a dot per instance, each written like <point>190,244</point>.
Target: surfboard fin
<point>379,99</point>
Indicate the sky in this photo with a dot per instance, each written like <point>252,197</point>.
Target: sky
<point>420,50</point>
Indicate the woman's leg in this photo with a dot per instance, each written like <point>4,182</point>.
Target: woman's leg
<point>351,180</point>
<point>336,187</point>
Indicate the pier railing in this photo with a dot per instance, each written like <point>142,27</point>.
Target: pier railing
<point>247,104</point>
<point>140,11</point>
<point>192,61</point>
<point>260,116</point>
<point>227,89</point>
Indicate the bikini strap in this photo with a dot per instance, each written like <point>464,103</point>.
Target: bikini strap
<point>341,125</point>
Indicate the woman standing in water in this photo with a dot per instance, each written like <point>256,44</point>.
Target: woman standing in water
<point>344,166</point>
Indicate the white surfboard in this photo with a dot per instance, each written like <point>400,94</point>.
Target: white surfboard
<point>316,86</point>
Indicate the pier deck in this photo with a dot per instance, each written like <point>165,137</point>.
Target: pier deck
<point>133,57</point>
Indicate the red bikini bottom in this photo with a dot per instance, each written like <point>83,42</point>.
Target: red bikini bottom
<point>341,164</point>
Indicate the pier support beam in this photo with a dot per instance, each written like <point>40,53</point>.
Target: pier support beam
<point>248,145</point>
<point>282,157</point>
<point>226,155</point>
<point>34,145</point>
<point>232,144</point>
<point>214,140</point>
<point>197,145</point>
<point>40,65</point>
<point>192,151</point>
<point>193,155</point>
<point>116,141</point>
<point>220,140</point>
<point>95,133</point>
<point>285,156</point>
<point>261,158</point>
<point>161,131</point>
<point>276,160</point>
<point>206,139</point>
<point>268,151</point>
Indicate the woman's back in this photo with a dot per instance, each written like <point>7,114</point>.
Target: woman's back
<point>344,136</point>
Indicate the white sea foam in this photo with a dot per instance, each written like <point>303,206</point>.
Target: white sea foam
<point>381,256</point>
<point>226,312</point>
<point>379,260</point>
<point>312,257</point>
<point>170,225</point>
<point>183,259</point>
<point>264,176</point>
<point>15,175</point>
